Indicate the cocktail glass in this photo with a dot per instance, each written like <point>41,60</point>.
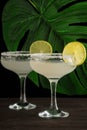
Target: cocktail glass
<point>53,67</point>
<point>19,62</point>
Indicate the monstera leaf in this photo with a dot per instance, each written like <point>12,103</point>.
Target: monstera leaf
<point>56,21</point>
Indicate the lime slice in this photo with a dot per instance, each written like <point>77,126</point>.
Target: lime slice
<point>76,49</point>
<point>40,46</point>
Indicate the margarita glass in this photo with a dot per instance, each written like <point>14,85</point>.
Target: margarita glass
<point>19,63</point>
<point>53,67</point>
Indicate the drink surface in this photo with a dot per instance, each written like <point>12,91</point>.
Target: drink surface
<point>51,69</point>
<point>17,61</point>
<point>17,66</point>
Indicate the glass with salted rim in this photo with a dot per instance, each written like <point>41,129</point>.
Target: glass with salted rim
<point>19,63</point>
<point>53,67</point>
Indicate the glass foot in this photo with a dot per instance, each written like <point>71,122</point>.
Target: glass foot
<point>18,106</point>
<point>53,114</point>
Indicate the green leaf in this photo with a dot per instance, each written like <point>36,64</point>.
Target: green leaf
<point>56,21</point>
<point>33,76</point>
<point>18,17</point>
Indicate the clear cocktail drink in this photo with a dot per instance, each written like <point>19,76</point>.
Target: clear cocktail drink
<point>17,66</point>
<point>52,69</point>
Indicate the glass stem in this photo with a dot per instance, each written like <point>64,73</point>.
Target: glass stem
<point>23,90</point>
<point>53,86</point>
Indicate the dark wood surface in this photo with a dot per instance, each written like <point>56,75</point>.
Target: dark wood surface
<point>29,120</point>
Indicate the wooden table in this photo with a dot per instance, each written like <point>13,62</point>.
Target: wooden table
<point>29,120</point>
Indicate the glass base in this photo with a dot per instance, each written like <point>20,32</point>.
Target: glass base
<point>19,106</point>
<point>53,114</point>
